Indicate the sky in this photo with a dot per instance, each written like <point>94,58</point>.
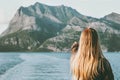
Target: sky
<point>94,8</point>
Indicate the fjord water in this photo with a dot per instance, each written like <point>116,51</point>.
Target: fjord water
<point>44,66</point>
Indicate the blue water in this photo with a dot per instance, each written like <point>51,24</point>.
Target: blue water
<point>44,66</point>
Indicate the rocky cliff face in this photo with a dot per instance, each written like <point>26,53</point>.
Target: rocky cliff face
<point>40,27</point>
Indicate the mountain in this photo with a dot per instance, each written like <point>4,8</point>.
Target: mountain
<point>40,27</point>
<point>114,17</point>
<point>113,20</point>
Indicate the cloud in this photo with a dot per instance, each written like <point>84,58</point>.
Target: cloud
<point>2,16</point>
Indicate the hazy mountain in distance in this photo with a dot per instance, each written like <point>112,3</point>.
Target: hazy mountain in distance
<point>114,17</point>
<point>40,27</point>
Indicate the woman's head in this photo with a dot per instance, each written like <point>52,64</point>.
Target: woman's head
<point>84,64</point>
<point>89,43</point>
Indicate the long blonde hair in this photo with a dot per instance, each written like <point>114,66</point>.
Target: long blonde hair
<point>85,62</point>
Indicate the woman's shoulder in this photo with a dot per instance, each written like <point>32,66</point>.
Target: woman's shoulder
<point>104,65</point>
<point>104,61</point>
<point>105,69</point>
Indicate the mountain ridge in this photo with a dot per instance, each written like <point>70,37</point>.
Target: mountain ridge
<point>40,27</point>
<point>115,17</point>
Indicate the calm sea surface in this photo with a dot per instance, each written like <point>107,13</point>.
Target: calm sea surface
<point>44,66</point>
